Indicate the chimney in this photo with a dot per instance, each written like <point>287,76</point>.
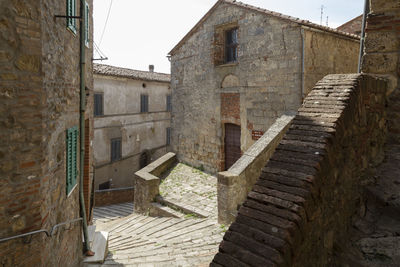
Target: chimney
<point>151,68</point>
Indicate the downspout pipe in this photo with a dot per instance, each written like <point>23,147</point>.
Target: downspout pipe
<point>302,64</point>
<point>82,109</point>
<point>364,22</point>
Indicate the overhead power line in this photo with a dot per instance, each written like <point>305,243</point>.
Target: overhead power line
<point>105,24</point>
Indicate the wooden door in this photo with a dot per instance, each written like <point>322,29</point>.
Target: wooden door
<point>232,144</point>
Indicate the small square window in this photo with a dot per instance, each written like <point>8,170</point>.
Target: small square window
<point>144,103</point>
<point>116,147</point>
<point>231,45</point>
<point>98,104</point>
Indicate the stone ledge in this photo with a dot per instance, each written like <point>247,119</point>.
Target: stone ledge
<point>146,181</point>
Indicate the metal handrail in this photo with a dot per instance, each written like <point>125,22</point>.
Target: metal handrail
<point>48,233</point>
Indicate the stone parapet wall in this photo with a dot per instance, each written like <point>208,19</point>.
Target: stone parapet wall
<point>303,201</point>
<point>113,196</point>
<point>235,183</point>
<point>147,181</point>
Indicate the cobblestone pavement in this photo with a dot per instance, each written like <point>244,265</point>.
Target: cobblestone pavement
<point>139,240</point>
<point>191,189</point>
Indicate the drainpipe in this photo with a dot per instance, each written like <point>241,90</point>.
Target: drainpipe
<point>82,125</point>
<point>364,21</point>
<point>302,64</point>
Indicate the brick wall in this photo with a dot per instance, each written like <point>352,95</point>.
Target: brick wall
<point>353,26</point>
<point>382,55</point>
<point>39,66</point>
<point>303,201</point>
<point>113,196</point>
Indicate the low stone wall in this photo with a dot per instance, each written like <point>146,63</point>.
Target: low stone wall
<point>235,183</point>
<point>304,199</point>
<point>147,181</point>
<point>113,196</point>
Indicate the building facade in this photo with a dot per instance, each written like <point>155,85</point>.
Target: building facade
<point>238,70</point>
<point>40,128</point>
<point>132,122</point>
<point>353,26</point>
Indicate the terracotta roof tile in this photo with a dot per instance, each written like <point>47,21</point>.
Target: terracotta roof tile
<point>108,70</point>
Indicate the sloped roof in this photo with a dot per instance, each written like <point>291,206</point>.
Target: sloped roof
<point>352,26</point>
<point>108,70</point>
<point>263,11</point>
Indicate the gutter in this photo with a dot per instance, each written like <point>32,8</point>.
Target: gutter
<point>82,108</point>
<point>364,22</point>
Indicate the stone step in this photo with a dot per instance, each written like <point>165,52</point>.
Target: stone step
<point>186,209</point>
<point>99,247</point>
<point>164,211</point>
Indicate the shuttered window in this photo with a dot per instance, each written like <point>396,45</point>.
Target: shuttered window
<point>71,11</point>
<point>71,160</point>
<point>98,104</point>
<point>87,24</point>
<point>144,103</point>
<point>168,136</point>
<point>169,107</point>
<point>116,149</point>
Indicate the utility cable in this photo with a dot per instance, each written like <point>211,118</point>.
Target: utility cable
<point>105,24</point>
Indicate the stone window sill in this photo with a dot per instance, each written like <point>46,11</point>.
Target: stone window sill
<point>233,64</point>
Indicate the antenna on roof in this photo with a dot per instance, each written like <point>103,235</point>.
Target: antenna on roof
<point>322,13</point>
<point>327,21</point>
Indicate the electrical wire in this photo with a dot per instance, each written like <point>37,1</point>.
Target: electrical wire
<point>105,24</point>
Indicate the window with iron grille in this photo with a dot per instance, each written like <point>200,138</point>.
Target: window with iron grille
<point>144,103</point>
<point>231,45</point>
<point>168,136</point>
<point>71,158</point>
<point>116,147</point>
<point>71,11</point>
<point>98,104</point>
<point>169,106</point>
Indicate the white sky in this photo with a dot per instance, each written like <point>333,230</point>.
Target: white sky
<point>142,32</point>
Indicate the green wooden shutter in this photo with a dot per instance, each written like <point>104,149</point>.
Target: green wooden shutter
<point>71,11</point>
<point>86,24</point>
<point>71,158</point>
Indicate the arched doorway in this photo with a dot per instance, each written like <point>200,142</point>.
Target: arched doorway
<point>232,144</point>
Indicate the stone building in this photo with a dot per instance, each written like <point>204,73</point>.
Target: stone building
<point>238,70</point>
<point>40,126</point>
<point>353,26</point>
<point>132,122</point>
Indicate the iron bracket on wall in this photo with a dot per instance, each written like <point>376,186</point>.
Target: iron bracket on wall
<point>67,17</point>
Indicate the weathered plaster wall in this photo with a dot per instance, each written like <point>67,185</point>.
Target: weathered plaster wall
<point>39,61</point>
<point>303,201</point>
<point>267,76</point>
<point>122,119</point>
<point>326,53</point>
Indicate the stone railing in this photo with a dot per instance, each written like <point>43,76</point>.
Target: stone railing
<point>147,181</point>
<point>301,206</point>
<point>235,183</point>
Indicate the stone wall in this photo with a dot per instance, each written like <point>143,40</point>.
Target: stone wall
<point>39,66</point>
<point>113,196</point>
<point>139,132</point>
<point>264,84</point>
<point>235,183</point>
<point>382,55</point>
<point>326,53</point>
<point>303,201</point>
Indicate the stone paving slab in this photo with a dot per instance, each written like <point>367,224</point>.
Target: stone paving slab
<point>192,189</point>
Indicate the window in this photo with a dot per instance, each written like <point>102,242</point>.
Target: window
<point>144,103</point>
<point>71,157</point>
<point>169,107</point>
<point>168,136</point>
<point>71,11</point>
<point>98,104</point>
<point>115,149</point>
<point>87,24</point>
<point>231,44</point>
